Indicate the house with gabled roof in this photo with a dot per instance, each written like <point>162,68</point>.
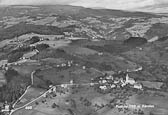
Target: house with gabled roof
<point>137,86</point>
<point>129,80</point>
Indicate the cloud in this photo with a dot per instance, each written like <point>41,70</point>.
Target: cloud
<point>114,4</point>
<point>160,6</point>
<point>34,2</point>
<point>161,1</point>
<point>110,4</point>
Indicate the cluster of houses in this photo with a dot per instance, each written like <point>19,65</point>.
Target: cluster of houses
<point>110,82</point>
<point>68,64</point>
<point>54,88</point>
<point>100,53</point>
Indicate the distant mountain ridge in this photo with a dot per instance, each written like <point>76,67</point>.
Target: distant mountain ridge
<point>91,23</point>
<point>79,10</point>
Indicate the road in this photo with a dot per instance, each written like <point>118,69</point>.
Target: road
<point>30,102</point>
<point>32,77</point>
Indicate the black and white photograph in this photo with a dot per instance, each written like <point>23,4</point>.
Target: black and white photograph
<point>83,57</point>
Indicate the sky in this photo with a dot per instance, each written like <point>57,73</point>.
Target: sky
<point>109,4</point>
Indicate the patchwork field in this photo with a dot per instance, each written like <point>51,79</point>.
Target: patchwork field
<point>155,85</point>
<point>75,50</point>
<point>44,21</point>
<point>110,62</point>
<point>55,44</point>
<point>77,74</point>
<point>26,68</point>
<point>53,61</point>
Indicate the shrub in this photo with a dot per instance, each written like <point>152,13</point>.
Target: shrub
<point>41,47</point>
<point>14,57</point>
<point>135,41</point>
<point>33,40</point>
<point>54,105</point>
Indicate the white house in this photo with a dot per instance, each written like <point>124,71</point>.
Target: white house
<point>129,80</point>
<point>6,108</point>
<point>23,58</point>
<point>112,86</point>
<point>58,65</point>
<point>71,82</point>
<point>77,64</point>
<point>123,83</point>
<point>28,107</point>
<point>50,90</point>
<point>91,84</point>
<point>63,65</point>
<point>69,63</point>
<point>101,78</point>
<point>100,53</point>
<point>6,68</point>
<point>103,87</point>
<point>104,81</point>
<point>84,67</point>
<point>45,95</point>
<point>64,85</point>
<point>137,86</point>
<point>109,77</point>
<point>32,45</point>
<point>54,89</point>
<point>116,81</point>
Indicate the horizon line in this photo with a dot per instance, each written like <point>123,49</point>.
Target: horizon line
<point>96,8</point>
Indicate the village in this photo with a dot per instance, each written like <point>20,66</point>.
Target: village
<point>109,82</point>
